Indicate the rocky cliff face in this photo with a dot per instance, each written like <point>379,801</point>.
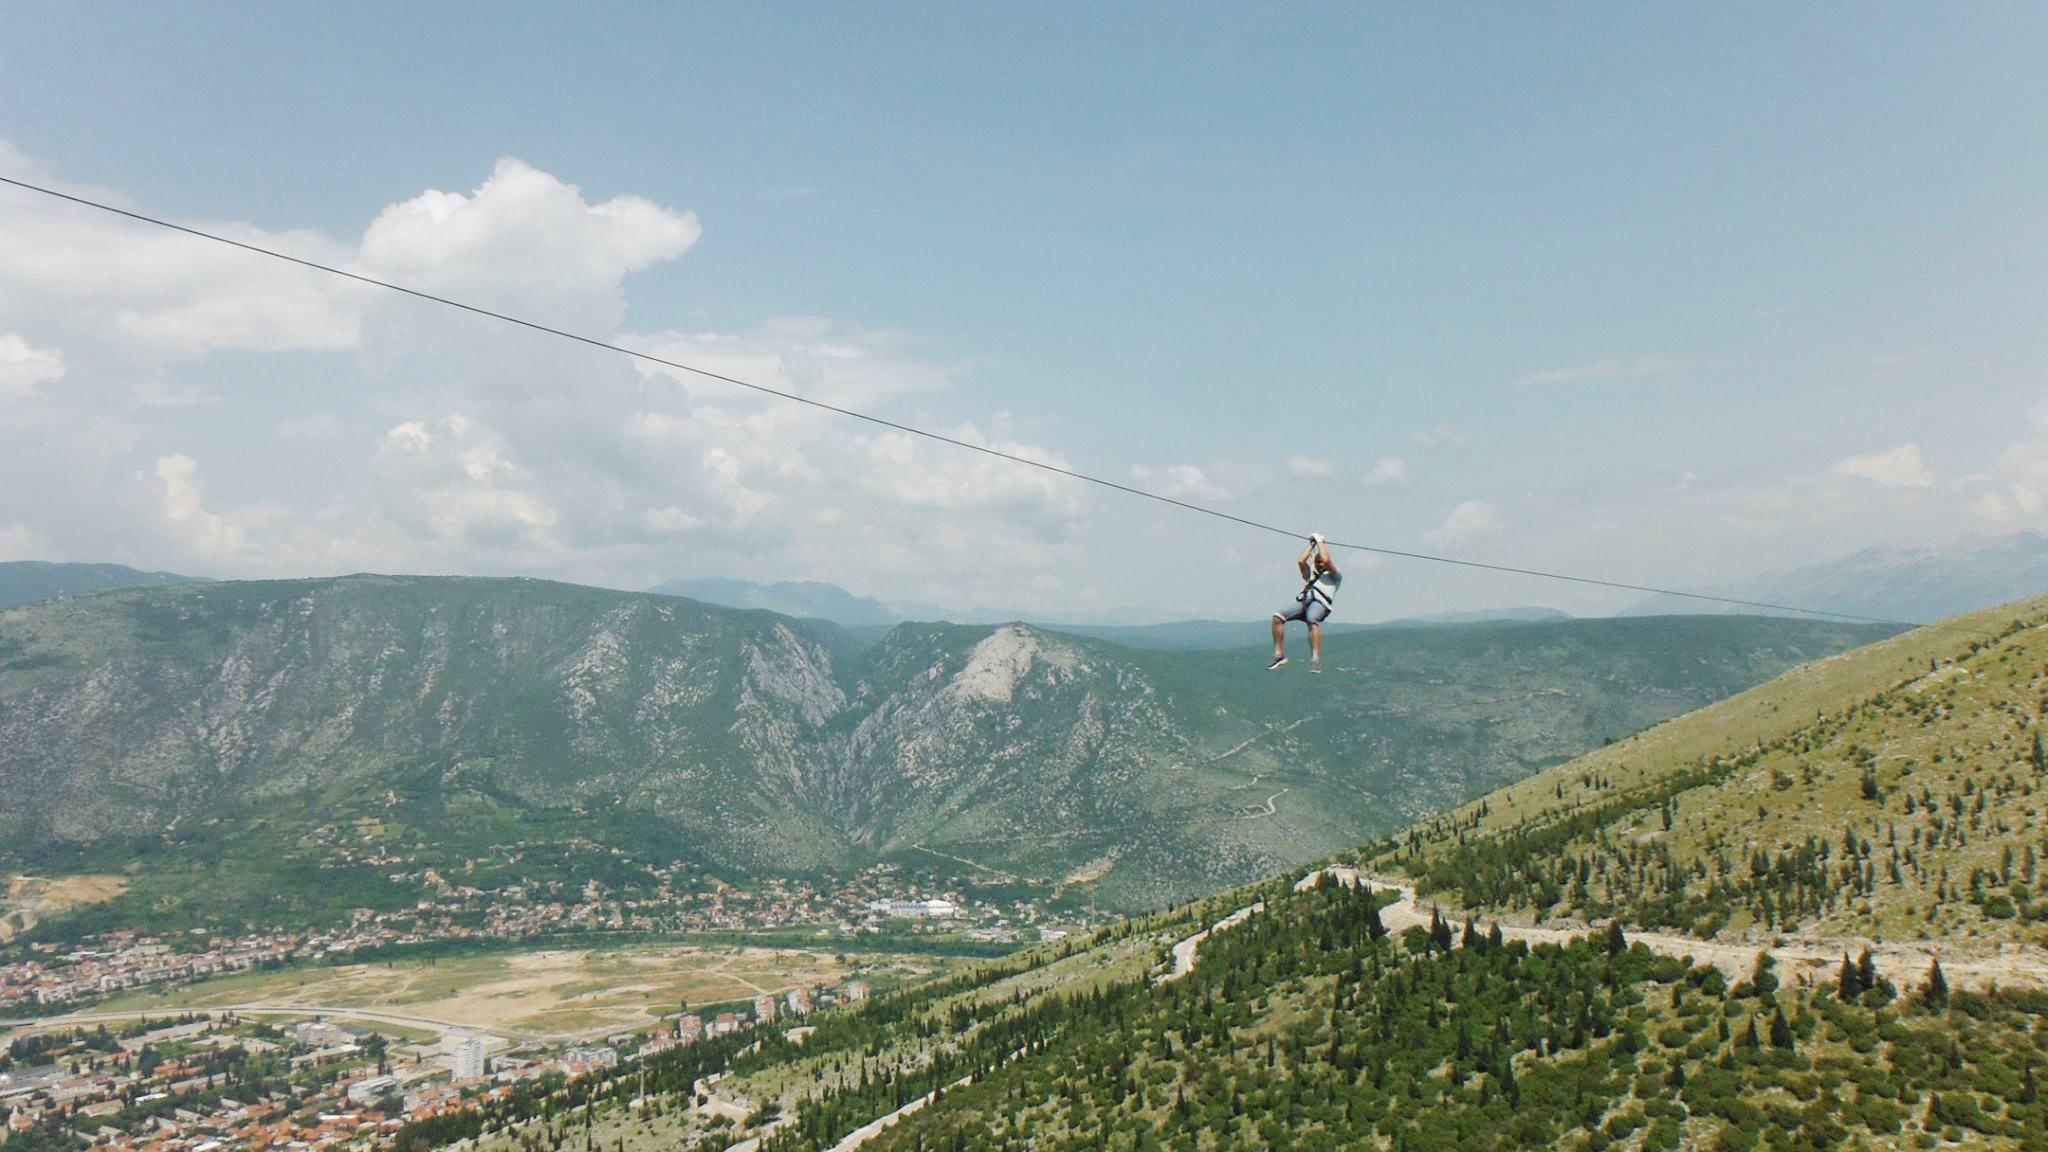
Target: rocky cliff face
<point>754,741</point>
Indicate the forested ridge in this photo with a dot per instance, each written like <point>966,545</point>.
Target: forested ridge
<point>1306,1028</point>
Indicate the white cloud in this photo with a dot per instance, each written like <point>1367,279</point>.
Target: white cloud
<point>1900,467</point>
<point>1389,470</point>
<point>2020,475</point>
<point>21,542</point>
<point>450,482</point>
<point>317,426</point>
<point>668,521</point>
<point>1441,436</point>
<point>524,238</point>
<point>178,496</point>
<point>1179,481</point>
<point>1310,468</point>
<point>808,357</point>
<point>22,366</point>
<point>502,451</point>
<point>141,296</point>
<point>1469,519</point>
<point>1607,370</point>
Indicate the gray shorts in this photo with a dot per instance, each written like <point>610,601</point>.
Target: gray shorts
<point>1308,610</point>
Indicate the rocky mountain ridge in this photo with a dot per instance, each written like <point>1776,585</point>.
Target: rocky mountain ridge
<point>483,710</point>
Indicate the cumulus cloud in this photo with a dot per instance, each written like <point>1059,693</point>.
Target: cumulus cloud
<point>140,296</point>
<point>1469,519</point>
<point>1388,470</point>
<point>22,366</point>
<point>1441,436</point>
<point>174,488</point>
<point>1180,481</point>
<point>1606,370</point>
<point>454,483</point>
<point>526,238</point>
<point>1900,467</point>
<point>498,451</point>
<point>1310,468</point>
<point>2019,478</point>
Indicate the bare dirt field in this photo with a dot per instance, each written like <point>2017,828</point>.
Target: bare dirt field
<point>28,899</point>
<point>550,993</point>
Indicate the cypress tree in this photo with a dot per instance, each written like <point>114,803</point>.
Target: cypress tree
<point>1935,991</point>
<point>1781,1031</point>
<point>1439,932</point>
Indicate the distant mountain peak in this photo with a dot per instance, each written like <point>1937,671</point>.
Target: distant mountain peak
<point>804,598</point>
<point>29,581</point>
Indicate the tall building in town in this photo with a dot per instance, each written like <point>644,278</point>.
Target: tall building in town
<point>466,1059</point>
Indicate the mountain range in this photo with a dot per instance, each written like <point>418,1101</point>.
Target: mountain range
<point>865,615</point>
<point>1905,582</point>
<point>477,714</point>
<point>27,581</point>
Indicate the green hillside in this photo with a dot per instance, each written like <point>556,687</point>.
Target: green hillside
<point>1300,1021</point>
<point>241,737</point>
<point>1893,793</point>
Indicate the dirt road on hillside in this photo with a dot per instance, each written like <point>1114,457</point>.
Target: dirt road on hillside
<point>1802,961</point>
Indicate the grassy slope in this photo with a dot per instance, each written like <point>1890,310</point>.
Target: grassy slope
<point>1890,792</point>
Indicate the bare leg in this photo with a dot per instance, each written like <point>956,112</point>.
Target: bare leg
<point>1279,637</point>
<point>1315,645</point>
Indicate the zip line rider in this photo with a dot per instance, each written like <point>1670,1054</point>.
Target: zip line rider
<point>1311,605</point>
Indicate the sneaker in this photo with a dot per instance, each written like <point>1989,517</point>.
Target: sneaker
<point>1316,667</point>
<point>1277,661</point>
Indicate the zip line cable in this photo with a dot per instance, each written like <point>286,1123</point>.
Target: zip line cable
<point>927,434</point>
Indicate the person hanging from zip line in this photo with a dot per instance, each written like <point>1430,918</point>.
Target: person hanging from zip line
<point>1311,605</point>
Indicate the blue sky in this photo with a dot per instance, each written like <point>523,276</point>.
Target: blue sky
<point>1663,294</point>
